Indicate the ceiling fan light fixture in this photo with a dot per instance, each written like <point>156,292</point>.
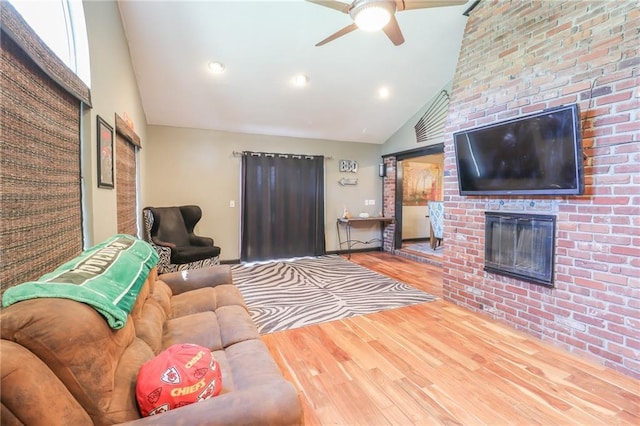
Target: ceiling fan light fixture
<point>372,16</point>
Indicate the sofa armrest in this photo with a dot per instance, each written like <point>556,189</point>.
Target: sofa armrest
<point>267,404</point>
<point>192,279</point>
<point>32,393</point>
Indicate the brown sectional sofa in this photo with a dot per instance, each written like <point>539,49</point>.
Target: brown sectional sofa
<point>61,363</point>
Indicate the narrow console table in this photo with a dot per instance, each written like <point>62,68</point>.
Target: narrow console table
<point>348,223</point>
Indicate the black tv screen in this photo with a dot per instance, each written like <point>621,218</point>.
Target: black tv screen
<point>539,154</point>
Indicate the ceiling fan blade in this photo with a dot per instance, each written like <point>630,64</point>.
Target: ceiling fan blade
<point>345,30</point>
<point>425,4</point>
<point>332,4</point>
<point>392,30</point>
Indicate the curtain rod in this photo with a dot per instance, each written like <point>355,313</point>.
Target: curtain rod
<point>242,153</point>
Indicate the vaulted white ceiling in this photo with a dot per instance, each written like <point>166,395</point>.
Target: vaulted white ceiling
<point>263,44</point>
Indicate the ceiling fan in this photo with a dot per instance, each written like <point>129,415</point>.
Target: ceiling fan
<point>374,15</point>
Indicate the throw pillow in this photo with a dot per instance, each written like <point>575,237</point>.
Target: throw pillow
<point>180,375</point>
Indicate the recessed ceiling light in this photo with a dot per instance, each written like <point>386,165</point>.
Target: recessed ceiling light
<point>216,67</point>
<point>383,92</point>
<point>300,80</point>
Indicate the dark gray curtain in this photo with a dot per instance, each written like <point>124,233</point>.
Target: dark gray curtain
<point>283,206</point>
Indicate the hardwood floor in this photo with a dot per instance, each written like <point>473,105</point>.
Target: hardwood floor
<point>436,363</point>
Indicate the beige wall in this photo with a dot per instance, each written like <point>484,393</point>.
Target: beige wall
<point>113,90</point>
<point>192,166</point>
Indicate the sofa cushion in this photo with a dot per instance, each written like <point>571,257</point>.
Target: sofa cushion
<point>191,279</point>
<point>162,294</point>
<point>251,364</point>
<point>123,405</point>
<point>229,294</point>
<point>261,396</point>
<point>235,325</point>
<point>143,295</point>
<point>225,370</point>
<point>206,299</point>
<point>193,302</point>
<point>149,324</point>
<point>200,329</point>
<point>276,403</point>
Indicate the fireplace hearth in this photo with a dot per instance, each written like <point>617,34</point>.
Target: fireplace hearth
<point>520,245</point>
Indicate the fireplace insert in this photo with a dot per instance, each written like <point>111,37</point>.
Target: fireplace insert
<point>520,245</point>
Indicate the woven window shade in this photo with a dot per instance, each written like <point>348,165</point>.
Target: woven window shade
<point>126,186</point>
<point>40,188</point>
<point>127,142</point>
<point>40,212</point>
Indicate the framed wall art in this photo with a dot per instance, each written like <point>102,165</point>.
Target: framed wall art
<point>105,154</point>
<point>422,182</point>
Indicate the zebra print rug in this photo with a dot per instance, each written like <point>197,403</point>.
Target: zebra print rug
<point>287,294</point>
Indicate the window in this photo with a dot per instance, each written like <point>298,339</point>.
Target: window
<point>60,24</point>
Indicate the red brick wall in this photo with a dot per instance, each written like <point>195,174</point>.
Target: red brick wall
<point>524,56</point>
<point>389,202</point>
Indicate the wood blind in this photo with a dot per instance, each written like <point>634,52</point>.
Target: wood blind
<point>126,144</point>
<point>40,206</point>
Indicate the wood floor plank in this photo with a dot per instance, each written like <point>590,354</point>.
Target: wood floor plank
<point>437,363</point>
<point>359,350</point>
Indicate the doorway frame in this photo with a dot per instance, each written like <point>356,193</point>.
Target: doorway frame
<point>401,156</point>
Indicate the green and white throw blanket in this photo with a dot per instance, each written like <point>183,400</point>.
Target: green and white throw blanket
<point>107,277</point>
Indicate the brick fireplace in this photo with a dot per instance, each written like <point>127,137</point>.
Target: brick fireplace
<point>523,57</point>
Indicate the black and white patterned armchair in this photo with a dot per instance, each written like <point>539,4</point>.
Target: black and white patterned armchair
<point>436,220</point>
<point>170,231</point>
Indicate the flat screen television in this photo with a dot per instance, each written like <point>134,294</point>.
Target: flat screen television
<point>538,154</point>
